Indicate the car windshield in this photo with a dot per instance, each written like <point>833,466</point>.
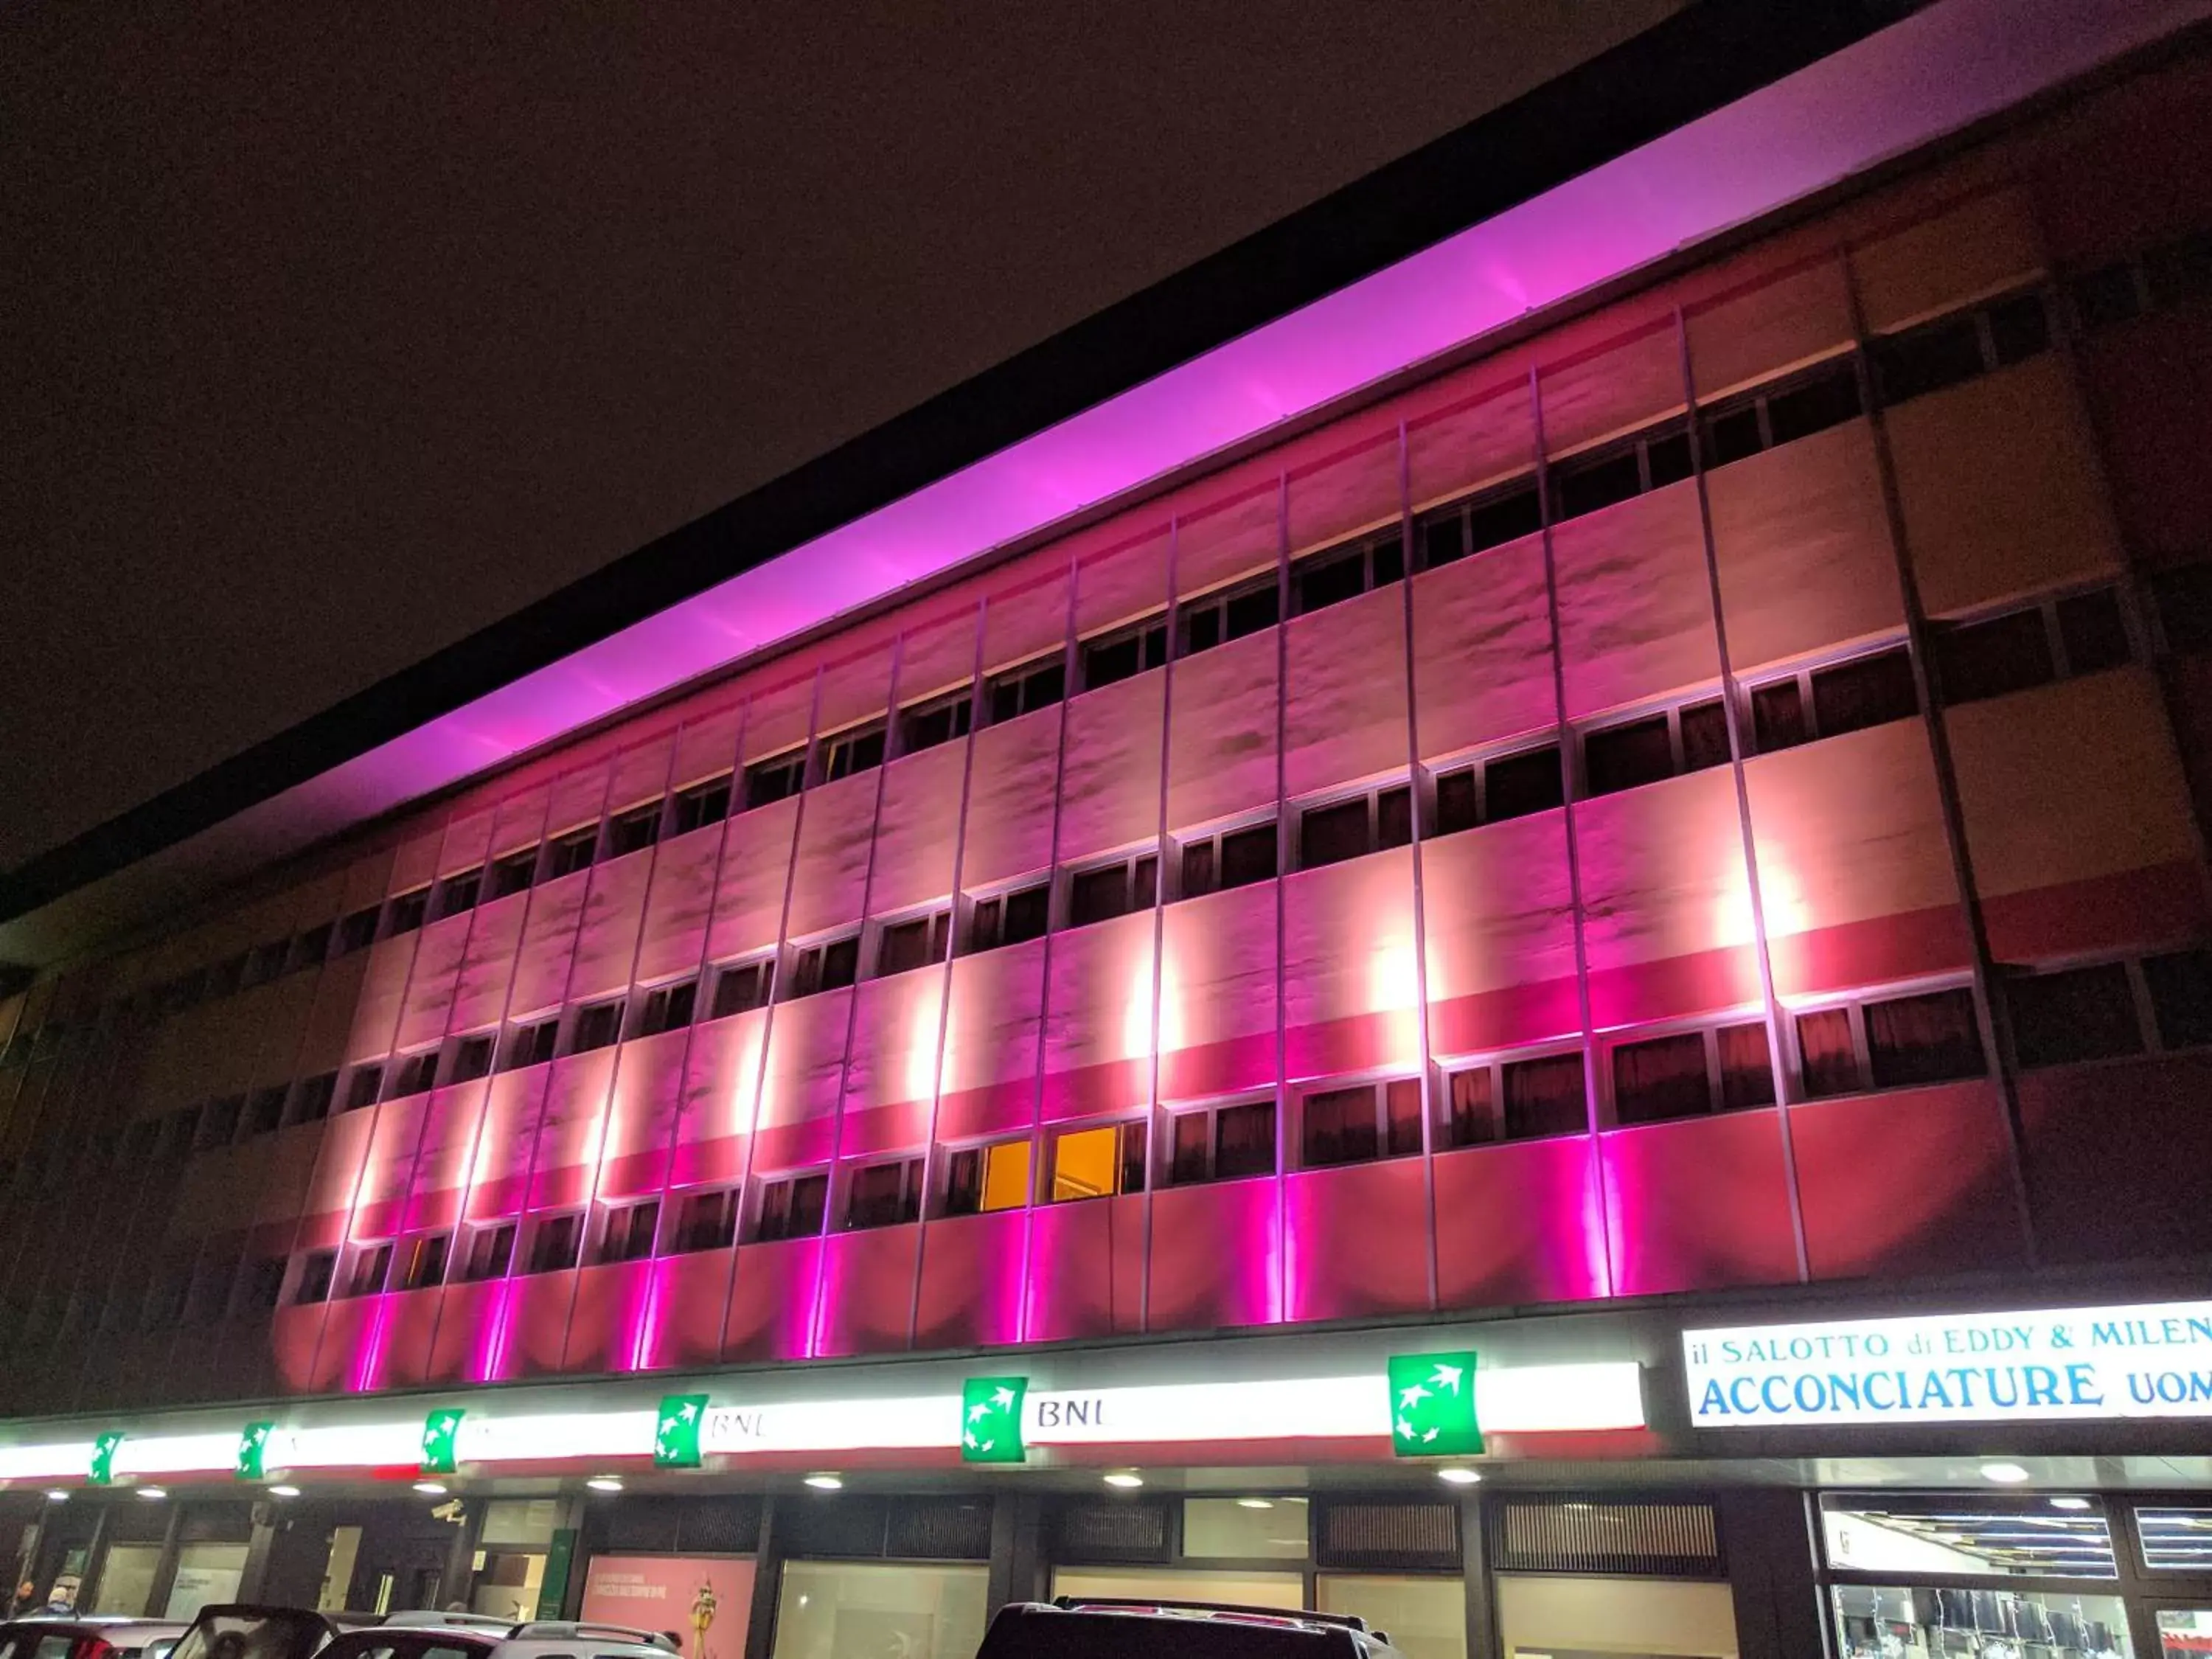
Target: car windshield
<point>1128,1635</point>
<point>276,1633</point>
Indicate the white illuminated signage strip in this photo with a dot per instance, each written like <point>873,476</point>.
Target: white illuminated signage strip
<point>2153,1359</point>
<point>49,1463</point>
<point>567,1434</point>
<point>171,1453</point>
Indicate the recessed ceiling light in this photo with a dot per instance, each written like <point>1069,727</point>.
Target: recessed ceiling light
<point>605,1483</point>
<point>2069,1503</point>
<point>1458,1477</point>
<point>431,1488</point>
<point>283,1492</point>
<point>153,1494</point>
<point>1125,1480</point>
<point>57,1495</point>
<point>826,1482</point>
<point>1256,1503</point>
<point>2005,1474</point>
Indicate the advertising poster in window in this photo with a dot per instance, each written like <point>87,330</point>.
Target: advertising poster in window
<point>702,1600</point>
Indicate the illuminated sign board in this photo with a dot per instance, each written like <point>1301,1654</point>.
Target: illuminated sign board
<point>2153,1359</point>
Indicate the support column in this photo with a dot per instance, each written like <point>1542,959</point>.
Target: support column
<point>768,1561</point>
<point>1017,1553</point>
<point>1475,1566</point>
<point>1769,1541</point>
<point>165,1569</point>
<point>458,1577</point>
<point>254,1578</point>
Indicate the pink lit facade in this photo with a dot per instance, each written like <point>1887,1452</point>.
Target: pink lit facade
<point>1699,798</point>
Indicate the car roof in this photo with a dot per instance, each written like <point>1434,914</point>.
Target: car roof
<point>1301,1623</point>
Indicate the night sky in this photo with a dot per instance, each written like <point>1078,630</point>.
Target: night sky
<point>331,337</point>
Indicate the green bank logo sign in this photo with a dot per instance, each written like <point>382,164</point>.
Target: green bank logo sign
<point>2152,1360</point>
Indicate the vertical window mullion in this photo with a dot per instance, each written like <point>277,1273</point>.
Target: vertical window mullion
<point>2146,1013</point>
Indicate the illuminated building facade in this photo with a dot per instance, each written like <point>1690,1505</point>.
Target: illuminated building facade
<point>1689,799</point>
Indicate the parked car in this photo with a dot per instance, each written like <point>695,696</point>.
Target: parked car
<point>232,1629</point>
<point>69,1635</point>
<point>1106,1628</point>
<point>540,1639</point>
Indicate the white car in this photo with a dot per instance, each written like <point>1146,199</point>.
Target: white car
<point>417,1638</point>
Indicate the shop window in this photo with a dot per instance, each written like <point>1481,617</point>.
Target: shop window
<point>1037,683</point>
<point>219,1123</point>
<point>775,778</point>
<point>311,1104</point>
<point>1358,1124</point>
<point>1501,514</point>
<point>939,720</point>
<point>850,752</point>
<point>1222,1143</point>
<point>884,1195</point>
<point>426,1261</point>
<point>701,805</point>
<point>2181,987</point>
<point>533,1044</point>
<point>1352,829</point>
<point>363,1087</point>
<point>831,966</point>
<point>915,942</point>
<point>1125,652</point>
<point>708,1221</point>
<point>630,1231</point>
<point>265,1109</point>
<point>1489,792</point>
<point>1345,572</point>
<point>1009,917</point>
<point>311,946</point>
<point>1233,858</point>
<point>554,1242</point>
<point>570,853</point>
<point>634,831</point>
<point>1228,613</point>
<point>668,1007</point>
<point>2078,1014</point>
<point>1971,1536</point>
<point>743,986</point>
<point>2177,1541</point>
<point>981,1179</point>
<point>514,873</point>
<point>597,1026</point>
<point>794,1206</point>
<point>1686,739</point>
<point>1101,893</point>
<point>407,912</point>
<point>416,1073</point>
<point>459,893</point>
<point>1246,1529</point>
<point>491,1252</point>
<point>472,1059</point>
<point>317,1270</point>
<point>1097,1162</point>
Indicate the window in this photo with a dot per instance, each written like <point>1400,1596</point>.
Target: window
<point>597,1026</point>
<point>514,872</point>
<point>1357,1124</point>
<point>209,1297</point>
<point>1037,683</point>
<point>491,1252</point>
<point>571,852</point>
<point>1517,1099</point>
<point>916,943</point>
<point>1009,917</point>
<point>418,1071</point>
<point>1602,478</point>
<point>178,1131</point>
<point>1112,889</point>
<point>1352,829</point>
<point>372,1264</point>
<point>776,778</point>
<point>981,1179</point>
<point>554,1243</point>
<point>533,1044</point>
<point>668,1007</point>
<point>1927,359</point>
<point>1097,1162</point>
<point>884,1195</point>
<point>2181,987</point>
<point>265,1109</point>
<point>264,962</point>
<point>828,967</point>
<point>310,948</point>
<point>363,1087</point>
<point>358,931</point>
<point>1228,613</point>
<point>2075,1015</point>
<point>940,720</point>
<point>408,911</point>
<point>313,1104</point>
<point>224,978</point>
<point>426,1261</point>
<point>1690,1073</point>
<point>458,893</point>
<point>1125,652</point>
<point>1895,1043</point>
<point>1492,519</point>
<point>316,1271</point>
<point>634,831</point>
<point>219,1123</point>
<point>1336,574</point>
<point>1743,426</point>
<point>1222,1143</point>
<point>472,1059</point>
<point>1974,660</point>
<point>794,1207</point>
<point>708,1221</point>
<point>263,1286</point>
<point>1490,792</point>
<point>1685,739</point>
<point>742,986</point>
<point>1827,702</point>
<point>1235,858</point>
<point>859,750</point>
<point>630,1232</point>
<point>701,805</point>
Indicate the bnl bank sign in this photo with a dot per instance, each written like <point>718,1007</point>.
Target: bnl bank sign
<point>2151,1360</point>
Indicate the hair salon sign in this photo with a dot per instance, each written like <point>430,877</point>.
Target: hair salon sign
<point>2150,1360</point>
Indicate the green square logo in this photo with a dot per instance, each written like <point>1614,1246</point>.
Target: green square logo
<point>253,1450</point>
<point>991,1419</point>
<point>103,1457</point>
<point>1432,1405</point>
<point>441,1433</point>
<point>676,1432</point>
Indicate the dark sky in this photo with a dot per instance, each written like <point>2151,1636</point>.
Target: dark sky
<point>331,336</point>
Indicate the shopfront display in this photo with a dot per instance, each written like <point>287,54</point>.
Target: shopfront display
<point>703,1602</point>
<point>864,1609</point>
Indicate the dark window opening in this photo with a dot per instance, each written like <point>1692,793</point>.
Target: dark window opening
<point>316,1274</point>
<point>1932,1038</point>
<point>1662,1079</point>
<point>1034,685</point>
<point>1975,661</point>
<point>311,946</point>
<point>630,1232</point>
<point>1584,486</point>
<point>1927,360</point>
<point>928,725</point>
<point>1247,855</point>
<point>1319,582</point>
<point>1867,691</point>
<point>219,1123</point>
<point>2180,985</point>
<point>472,1059</point>
<point>1520,786</point>
<point>1115,890</point>
<point>2184,599</point>
<point>315,1098</point>
<point>633,830</point>
<point>533,1044</point>
<point>1394,818</point>
<point>408,911</point>
<point>2080,1014</point>
<point>1666,459</point>
<point>916,944</point>
<point>459,893</point>
<point>708,1221</point>
<point>363,1087</point>
<point>1815,406</point>
<point>829,967</point>
<point>1777,716</point>
<point>744,986</point>
<point>1472,1121</point>
<point>1009,917</point>
<point>2106,295</point>
<point>1830,1060</point>
<point>597,1026</point>
<point>492,1252</point>
<point>417,1073</point>
<point>1125,654</point>
<point>1216,618</point>
<point>1245,1140</point>
<point>223,979</point>
<point>794,1208</point>
<point>1443,534</point>
<point>265,1109</point>
<point>1545,1096</point>
<point>1402,1116</point>
<point>264,962</point>
<point>1732,435</point>
<point>1625,757</point>
<point>554,1244</point>
<point>884,1195</point>
<point>669,1007</point>
<point>262,1286</point>
<point>1340,1127</point>
<point>426,1262</point>
<point>2018,328</point>
<point>514,872</point>
<point>571,852</point>
<point>1329,834</point>
<point>2093,632</point>
<point>2180,270</point>
<point>1457,805</point>
<point>701,805</point>
<point>775,778</point>
<point>1747,1067</point>
<point>850,753</point>
<point>1705,736</point>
